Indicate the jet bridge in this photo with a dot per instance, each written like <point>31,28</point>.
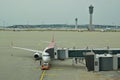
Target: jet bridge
<point>63,53</point>
<point>95,59</point>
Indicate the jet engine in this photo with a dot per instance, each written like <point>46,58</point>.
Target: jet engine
<point>37,56</point>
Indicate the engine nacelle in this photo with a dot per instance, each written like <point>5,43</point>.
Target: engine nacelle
<point>37,55</point>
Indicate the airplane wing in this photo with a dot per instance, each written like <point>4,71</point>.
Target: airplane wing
<point>28,49</point>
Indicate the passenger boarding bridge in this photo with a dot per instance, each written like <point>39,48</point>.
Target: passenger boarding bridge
<point>97,59</point>
<point>63,53</point>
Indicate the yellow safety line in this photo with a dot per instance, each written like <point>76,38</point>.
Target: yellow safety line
<point>42,75</point>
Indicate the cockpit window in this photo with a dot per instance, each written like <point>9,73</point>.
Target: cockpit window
<point>50,50</point>
<point>46,55</point>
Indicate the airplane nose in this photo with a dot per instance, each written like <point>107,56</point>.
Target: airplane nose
<point>46,59</point>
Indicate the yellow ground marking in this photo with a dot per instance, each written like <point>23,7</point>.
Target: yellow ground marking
<point>42,75</point>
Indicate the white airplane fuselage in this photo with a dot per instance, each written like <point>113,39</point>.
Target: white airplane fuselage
<point>46,53</point>
<point>46,56</point>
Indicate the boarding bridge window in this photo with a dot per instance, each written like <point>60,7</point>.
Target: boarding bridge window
<point>75,53</point>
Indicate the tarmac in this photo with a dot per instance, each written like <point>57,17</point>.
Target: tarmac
<point>18,64</point>
<point>65,70</point>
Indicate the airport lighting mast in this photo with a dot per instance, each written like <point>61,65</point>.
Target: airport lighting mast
<point>90,27</point>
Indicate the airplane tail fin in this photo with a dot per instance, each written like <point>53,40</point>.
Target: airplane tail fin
<point>52,43</point>
<point>53,39</point>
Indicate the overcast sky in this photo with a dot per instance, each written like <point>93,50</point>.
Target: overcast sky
<point>14,12</point>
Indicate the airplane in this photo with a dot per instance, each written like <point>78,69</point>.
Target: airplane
<point>45,55</point>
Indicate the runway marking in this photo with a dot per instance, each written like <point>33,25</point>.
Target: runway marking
<point>42,75</point>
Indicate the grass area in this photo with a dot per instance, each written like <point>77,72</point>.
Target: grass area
<point>36,39</point>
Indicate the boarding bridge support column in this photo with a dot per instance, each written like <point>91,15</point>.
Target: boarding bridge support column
<point>115,62</point>
<point>56,55</point>
<point>55,52</point>
<point>66,53</point>
<point>96,63</point>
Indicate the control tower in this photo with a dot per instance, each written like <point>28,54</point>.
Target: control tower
<point>90,27</point>
<point>76,23</point>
